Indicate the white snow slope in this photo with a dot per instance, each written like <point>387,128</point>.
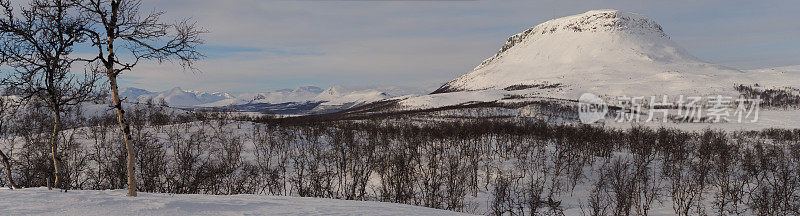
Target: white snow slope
<point>606,52</point>
<point>40,201</point>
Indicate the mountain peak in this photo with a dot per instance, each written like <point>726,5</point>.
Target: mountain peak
<point>131,93</point>
<point>606,20</point>
<point>333,91</point>
<point>600,20</point>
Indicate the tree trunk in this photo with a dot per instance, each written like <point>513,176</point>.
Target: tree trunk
<point>8,170</point>
<point>126,130</point>
<point>54,147</point>
<point>111,28</point>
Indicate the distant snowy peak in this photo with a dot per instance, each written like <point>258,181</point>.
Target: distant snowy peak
<point>133,93</point>
<point>333,93</point>
<point>329,93</point>
<point>601,51</point>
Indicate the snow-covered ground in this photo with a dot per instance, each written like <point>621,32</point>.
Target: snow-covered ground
<point>40,201</point>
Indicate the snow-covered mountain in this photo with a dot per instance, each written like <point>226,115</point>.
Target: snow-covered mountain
<point>606,52</point>
<point>132,93</point>
<point>542,72</point>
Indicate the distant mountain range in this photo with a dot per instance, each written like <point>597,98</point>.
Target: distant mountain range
<point>300,100</point>
<point>176,97</point>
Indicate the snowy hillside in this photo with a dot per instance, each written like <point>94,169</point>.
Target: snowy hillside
<point>40,201</point>
<point>132,93</point>
<point>606,52</point>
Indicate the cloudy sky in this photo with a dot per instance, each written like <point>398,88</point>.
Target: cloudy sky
<point>268,45</point>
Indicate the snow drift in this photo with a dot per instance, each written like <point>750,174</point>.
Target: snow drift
<point>40,201</point>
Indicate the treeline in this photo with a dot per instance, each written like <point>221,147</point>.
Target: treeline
<point>775,98</point>
<point>479,166</point>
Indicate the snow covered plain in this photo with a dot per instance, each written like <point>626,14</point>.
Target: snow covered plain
<point>40,201</point>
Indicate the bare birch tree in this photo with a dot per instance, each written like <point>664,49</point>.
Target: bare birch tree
<point>146,37</point>
<point>38,46</point>
<point>5,111</point>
